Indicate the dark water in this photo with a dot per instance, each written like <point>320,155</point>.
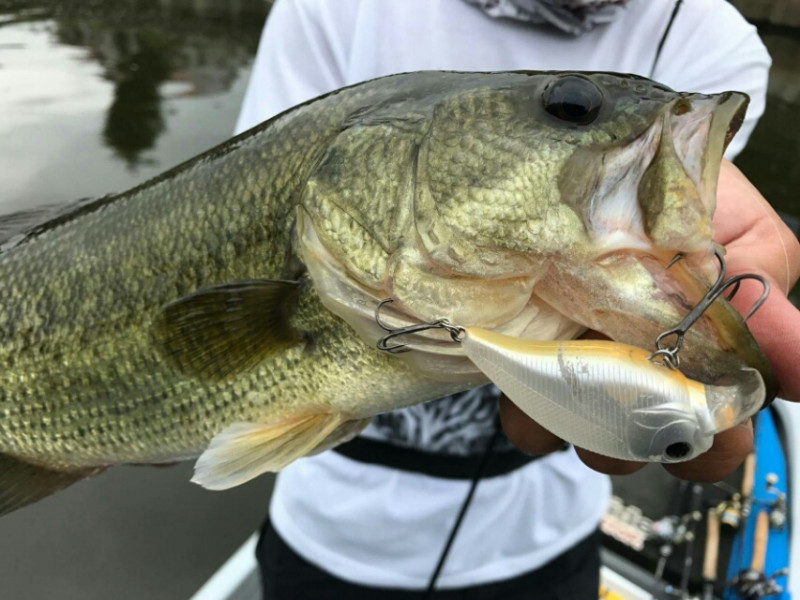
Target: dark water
<point>772,158</point>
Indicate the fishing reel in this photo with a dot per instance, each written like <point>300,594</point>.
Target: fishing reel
<point>752,585</point>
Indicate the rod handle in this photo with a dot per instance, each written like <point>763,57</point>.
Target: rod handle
<point>711,555</point>
<point>760,542</point>
<point>748,475</point>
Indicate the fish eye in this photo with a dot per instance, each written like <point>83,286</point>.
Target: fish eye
<point>573,99</point>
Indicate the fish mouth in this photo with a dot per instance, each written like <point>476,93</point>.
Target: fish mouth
<point>633,298</point>
<point>721,335</point>
<point>701,127</point>
<point>625,289</point>
<point>659,189</point>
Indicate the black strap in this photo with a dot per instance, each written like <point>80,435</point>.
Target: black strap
<point>444,466</point>
<point>478,473</point>
<point>661,43</point>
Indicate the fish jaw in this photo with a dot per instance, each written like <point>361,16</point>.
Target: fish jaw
<point>680,185</point>
<point>634,298</point>
<point>617,282</point>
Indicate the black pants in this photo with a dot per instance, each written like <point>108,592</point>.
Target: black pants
<point>573,575</point>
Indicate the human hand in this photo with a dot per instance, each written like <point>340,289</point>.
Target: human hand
<point>756,241</point>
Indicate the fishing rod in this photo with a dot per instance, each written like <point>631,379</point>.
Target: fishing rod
<point>711,554</point>
<point>695,502</point>
<point>753,583</point>
<point>671,530</point>
<point>748,482</point>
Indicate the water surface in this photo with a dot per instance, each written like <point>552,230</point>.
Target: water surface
<point>97,96</point>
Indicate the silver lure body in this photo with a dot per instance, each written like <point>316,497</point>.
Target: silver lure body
<point>610,398</point>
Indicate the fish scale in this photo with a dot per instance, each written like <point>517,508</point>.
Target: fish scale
<point>155,225</point>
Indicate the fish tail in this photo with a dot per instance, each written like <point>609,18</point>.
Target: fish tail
<point>22,483</point>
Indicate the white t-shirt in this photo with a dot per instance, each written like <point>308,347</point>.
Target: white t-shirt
<point>378,526</point>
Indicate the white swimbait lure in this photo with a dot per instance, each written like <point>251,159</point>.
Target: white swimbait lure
<point>610,398</point>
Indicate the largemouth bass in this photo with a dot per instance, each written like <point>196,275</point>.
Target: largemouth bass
<point>227,308</point>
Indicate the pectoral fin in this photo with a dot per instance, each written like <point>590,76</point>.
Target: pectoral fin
<point>245,450</point>
<point>224,330</point>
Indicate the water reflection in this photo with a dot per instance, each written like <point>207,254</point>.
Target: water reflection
<point>134,119</point>
<point>199,45</point>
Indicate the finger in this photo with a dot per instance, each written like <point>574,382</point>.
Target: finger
<point>729,450</point>
<point>590,334</point>
<point>525,433</point>
<point>750,228</point>
<point>776,328</point>
<point>606,464</point>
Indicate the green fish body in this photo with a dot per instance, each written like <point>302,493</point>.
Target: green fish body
<point>232,298</point>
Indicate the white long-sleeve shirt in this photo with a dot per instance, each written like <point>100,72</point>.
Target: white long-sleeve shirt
<point>378,526</point>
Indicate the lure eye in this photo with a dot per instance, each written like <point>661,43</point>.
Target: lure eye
<point>678,450</point>
<point>573,99</point>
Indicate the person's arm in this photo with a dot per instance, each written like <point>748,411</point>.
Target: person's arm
<point>302,54</point>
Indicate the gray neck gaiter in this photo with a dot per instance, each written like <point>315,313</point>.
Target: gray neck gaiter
<point>571,16</point>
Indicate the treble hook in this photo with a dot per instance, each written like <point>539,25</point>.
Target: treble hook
<point>456,333</point>
<point>670,354</point>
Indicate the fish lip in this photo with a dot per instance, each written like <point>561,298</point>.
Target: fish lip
<point>727,118</point>
<point>715,117</point>
<point>737,119</point>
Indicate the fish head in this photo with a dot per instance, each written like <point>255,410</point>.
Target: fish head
<point>570,161</point>
<point>534,204</point>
